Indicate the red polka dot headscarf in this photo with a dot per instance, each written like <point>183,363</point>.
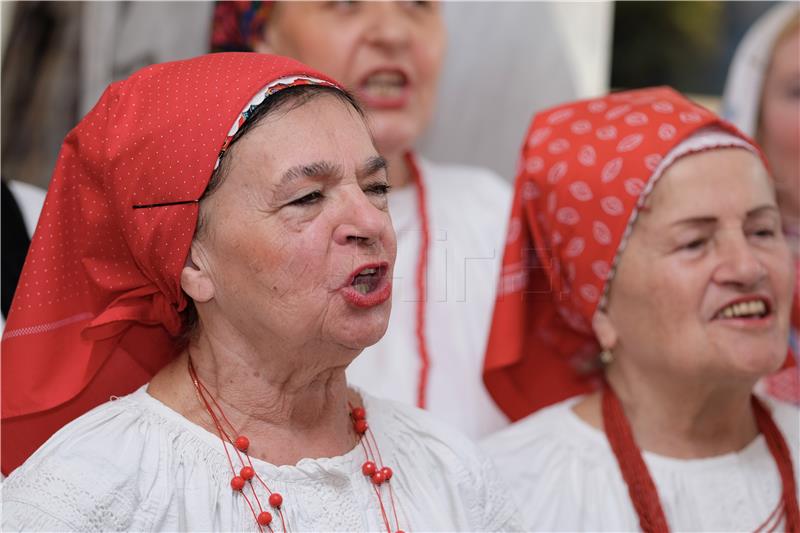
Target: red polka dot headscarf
<point>585,167</point>
<point>97,306</point>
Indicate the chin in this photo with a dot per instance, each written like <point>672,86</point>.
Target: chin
<point>363,333</point>
<point>394,133</point>
<point>758,361</point>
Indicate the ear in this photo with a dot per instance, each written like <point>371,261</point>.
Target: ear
<point>195,278</point>
<point>604,329</point>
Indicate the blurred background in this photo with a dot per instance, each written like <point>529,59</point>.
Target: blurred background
<point>505,61</point>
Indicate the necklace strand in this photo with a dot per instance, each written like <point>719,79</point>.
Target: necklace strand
<point>642,489</point>
<point>373,467</point>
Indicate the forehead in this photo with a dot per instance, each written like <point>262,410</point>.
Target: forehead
<point>324,127</point>
<point>711,183</point>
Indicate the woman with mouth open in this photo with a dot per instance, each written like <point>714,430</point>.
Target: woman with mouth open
<point>649,233</point>
<point>214,250</point>
<point>450,220</point>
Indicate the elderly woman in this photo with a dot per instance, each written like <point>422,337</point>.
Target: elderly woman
<point>218,227</point>
<point>450,220</point>
<point>762,98</point>
<point>644,228</point>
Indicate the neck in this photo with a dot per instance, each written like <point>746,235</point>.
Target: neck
<point>287,414</point>
<point>684,420</point>
<point>399,170</point>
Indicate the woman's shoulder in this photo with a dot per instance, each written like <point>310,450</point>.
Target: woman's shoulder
<point>419,431</point>
<point>93,473</point>
<point>423,444</point>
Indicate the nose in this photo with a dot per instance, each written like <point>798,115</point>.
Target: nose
<point>739,265</point>
<point>388,26</point>
<point>361,224</point>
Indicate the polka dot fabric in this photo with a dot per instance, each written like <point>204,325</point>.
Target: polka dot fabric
<point>98,302</point>
<point>585,167</point>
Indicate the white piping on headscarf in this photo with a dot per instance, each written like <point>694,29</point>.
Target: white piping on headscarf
<point>741,99</point>
<point>708,138</point>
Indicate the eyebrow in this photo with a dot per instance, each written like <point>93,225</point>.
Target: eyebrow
<point>706,221</point>
<point>317,169</point>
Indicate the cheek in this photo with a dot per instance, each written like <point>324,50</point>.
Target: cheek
<point>781,128</point>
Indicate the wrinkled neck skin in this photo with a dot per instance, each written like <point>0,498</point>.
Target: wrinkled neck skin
<point>288,410</point>
<point>677,418</point>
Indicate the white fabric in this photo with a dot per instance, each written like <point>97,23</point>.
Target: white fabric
<point>741,99</point>
<point>134,464</point>
<point>467,209</point>
<point>565,477</point>
<point>30,200</point>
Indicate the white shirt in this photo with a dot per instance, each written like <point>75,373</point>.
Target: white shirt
<point>566,478</point>
<point>134,464</point>
<point>468,211</point>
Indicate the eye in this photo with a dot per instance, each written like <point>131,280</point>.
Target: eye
<point>764,233</point>
<point>695,244</point>
<point>308,199</point>
<point>379,189</point>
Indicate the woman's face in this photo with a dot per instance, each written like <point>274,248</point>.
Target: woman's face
<point>298,245</point>
<point>779,129</point>
<point>388,53</point>
<point>703,287</point>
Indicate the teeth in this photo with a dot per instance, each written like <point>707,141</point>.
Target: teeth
<point>368,271</point>
<point>751,308</point>
<point>386,78</point>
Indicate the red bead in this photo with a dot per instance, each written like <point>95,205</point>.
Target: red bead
<point>359,413</point>
<point>237,483</point>
<point>378,477</point>
<point>368,468</point>
<point>247,473</point>
<point>275,499</point>
<point>387,473</point>
<point>360,426</point>
<point>399,531</point>
<point>264,518</point>
<point>242,443</point>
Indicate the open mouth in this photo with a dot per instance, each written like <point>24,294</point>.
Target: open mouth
<point>368,279</point>
<point>368,286</point>
<point>747,309</point>
<point>384,86</point>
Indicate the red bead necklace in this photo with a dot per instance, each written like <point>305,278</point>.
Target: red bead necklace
<point>642,489</point>
<point>374,469</point>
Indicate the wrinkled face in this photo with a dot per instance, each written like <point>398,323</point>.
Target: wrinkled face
<point>388,53</point>
<point>298,245</point>
<point>703,287</point>
<point>779,129</point>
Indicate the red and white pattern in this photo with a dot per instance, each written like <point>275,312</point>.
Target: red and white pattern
<point>591,164</point>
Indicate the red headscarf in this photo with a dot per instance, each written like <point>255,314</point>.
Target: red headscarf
<point>585,168</point>
<point>97,307</point>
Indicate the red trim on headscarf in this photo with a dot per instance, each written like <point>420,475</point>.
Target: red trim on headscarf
<point>98,302</point>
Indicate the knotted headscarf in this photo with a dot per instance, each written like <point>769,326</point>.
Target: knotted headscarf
<point>96,311</point>
<point>586,168</point>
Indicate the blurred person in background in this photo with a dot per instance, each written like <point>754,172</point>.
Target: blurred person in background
<point>650,235</point>
<point>449,220</point>
<point>762,98</point>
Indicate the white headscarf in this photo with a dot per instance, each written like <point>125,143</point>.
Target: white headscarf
<point>742,97</point>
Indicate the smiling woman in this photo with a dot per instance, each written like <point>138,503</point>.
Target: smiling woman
<point>658,244</point>
<point>215,249</point>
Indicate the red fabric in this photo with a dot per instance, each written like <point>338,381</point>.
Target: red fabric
<point>584,167</point>
<point>98,301</point>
